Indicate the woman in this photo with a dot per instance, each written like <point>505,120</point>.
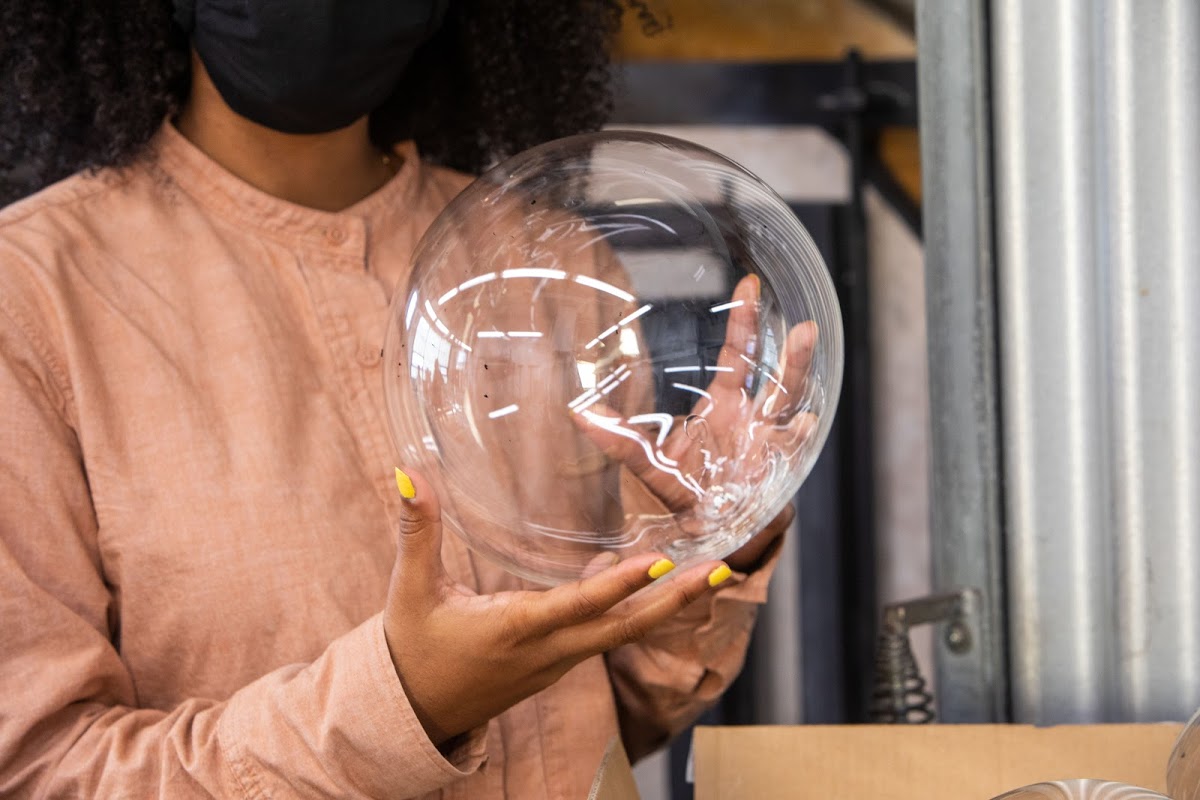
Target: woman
<point>203,594</point>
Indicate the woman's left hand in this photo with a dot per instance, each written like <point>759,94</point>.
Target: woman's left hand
<point>665,463</point>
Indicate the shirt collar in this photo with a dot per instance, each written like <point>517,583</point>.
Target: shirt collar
<point>223,193</point>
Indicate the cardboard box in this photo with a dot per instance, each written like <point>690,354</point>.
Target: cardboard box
<point>921,762</point>
<point>614,779</point>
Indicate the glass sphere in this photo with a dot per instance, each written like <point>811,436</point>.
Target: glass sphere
<point>1081,790</point>
<point>612,344</point>
<point>1183,768</point>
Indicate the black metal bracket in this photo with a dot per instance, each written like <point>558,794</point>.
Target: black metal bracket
<point>831,95</point>
<point>777,93</point>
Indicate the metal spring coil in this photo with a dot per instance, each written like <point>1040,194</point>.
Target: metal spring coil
<point>899,695</point>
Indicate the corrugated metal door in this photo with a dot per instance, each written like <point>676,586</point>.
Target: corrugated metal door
<point>1092,119</point>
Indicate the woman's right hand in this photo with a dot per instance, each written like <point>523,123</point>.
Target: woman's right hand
<point>464,658</point>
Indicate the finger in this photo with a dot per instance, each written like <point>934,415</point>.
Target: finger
<point>642,614</point>
<point>785,434</point>
<point>798,356</point>
<point>586,599</point>
<point>600,562</point>
<point>751,553</point>
<point>737,355</point>
<point>418,573</point>
<point>725,399</point>
<point>795,364</point>
<point>629,445</point>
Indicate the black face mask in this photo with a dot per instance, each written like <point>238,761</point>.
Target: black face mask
<point>307,66</point>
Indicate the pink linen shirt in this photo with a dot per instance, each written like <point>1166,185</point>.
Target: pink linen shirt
<point>198,513</point>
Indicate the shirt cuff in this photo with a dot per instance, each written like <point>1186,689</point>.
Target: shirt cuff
<point>344,721</point>
<point>467,755</point>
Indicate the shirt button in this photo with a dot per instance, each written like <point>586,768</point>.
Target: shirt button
<point>369,355</point>
<point>335,235</point>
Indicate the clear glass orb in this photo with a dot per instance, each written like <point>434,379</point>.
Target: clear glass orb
<point>1081,790</point>
<point>611,344</point>
<point>1183,768</point>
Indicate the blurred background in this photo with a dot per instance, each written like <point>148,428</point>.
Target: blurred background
<point>1005,525</point>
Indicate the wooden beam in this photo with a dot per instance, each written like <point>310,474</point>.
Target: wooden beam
<point>758,30</point>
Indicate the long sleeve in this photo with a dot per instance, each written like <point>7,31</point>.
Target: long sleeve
<point>70,725</point>
<point>667,680</point>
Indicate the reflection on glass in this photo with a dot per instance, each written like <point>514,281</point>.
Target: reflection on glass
<point>1081,790</point>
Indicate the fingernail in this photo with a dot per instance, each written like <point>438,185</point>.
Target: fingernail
<point>719,575</point>
<point>661,567</point>
<point>405,485</point>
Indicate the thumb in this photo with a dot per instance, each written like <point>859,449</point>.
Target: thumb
<point>640,453</point>
<point>418,572</point>
<point>615,437</point>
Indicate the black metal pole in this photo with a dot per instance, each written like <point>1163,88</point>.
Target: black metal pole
<point>857,461</point>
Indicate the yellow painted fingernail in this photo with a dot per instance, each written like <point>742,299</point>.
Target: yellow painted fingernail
<point>661,567</point>
<point>719,575</point>
<point>405,485</point>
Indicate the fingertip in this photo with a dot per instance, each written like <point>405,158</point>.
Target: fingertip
<point>404,484</point>
<point>802,333</point>
<point>719,575</point>
<point>747,293</point>
<point>643,569</point>
<point>418,499</point>
<point>660,568</point>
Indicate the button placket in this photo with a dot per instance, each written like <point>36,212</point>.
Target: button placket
<point>346,240</point>
<point>350,312</point>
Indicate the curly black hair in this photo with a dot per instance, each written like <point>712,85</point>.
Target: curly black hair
<point>84,84</point>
